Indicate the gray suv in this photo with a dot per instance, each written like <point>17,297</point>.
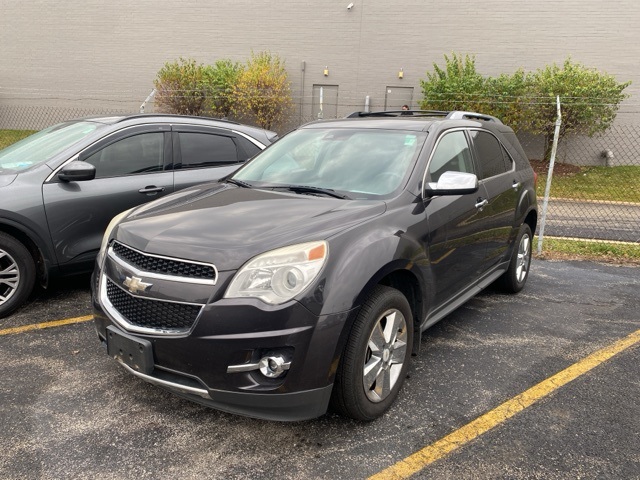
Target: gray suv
<point>305,278</point>
<point>61,186</point>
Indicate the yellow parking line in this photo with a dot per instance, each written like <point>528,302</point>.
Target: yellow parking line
<point>420,459</point>
<point>39,326</point>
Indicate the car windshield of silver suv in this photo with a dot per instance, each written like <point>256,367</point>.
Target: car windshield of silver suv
<point>304,280</point>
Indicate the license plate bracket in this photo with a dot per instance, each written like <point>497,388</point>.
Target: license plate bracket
<point>136,353</point>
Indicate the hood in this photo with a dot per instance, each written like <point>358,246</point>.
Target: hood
<point>227,225</point>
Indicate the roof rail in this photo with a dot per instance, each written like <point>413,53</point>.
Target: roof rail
<point>144,115</point>
<point>453,115</point>
<point>460,115</point>
<point>399,113</point>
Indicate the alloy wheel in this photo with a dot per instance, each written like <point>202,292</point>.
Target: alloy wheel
<point>9,276</point>
<point>385,356</point>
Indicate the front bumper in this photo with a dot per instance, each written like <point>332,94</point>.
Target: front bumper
<point>232,332</point>
<point>293,406</point>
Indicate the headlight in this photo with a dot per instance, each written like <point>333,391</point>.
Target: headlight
<point>279,275</point>
<point>105,239</point>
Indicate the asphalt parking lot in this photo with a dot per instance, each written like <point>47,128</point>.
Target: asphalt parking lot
<point>68,411</point>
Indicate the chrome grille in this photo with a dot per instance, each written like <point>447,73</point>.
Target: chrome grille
<point>152,314</point>
<point>163,265</point>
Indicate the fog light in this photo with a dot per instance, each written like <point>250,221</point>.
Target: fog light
<point>273,366</point>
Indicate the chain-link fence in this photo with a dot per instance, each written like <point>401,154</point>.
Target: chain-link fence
<point>595,190</point>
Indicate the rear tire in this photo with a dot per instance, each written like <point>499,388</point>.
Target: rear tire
<point>376,357</point>
<point>17,274</point>
<point>513,280</point>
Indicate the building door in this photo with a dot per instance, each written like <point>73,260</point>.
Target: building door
<point>325,102</point>
<point>396,97</point>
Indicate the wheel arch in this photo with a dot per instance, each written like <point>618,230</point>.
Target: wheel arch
<point>399,275</point>
<point>34,248</point>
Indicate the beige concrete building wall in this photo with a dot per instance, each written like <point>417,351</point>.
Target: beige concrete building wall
<point>107,53</point>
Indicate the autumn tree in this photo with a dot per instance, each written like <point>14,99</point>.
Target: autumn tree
<point>263,90</point>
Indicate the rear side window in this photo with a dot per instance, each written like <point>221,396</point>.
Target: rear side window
<point>491,155</point>
<point>206,150</point>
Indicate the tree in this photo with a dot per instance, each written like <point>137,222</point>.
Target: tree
<point>263,90</point>
<point>223,77</point>
<point>589,100</point>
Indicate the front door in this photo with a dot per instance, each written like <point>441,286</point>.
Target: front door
<point>455,224</point>
<point>130,170</point>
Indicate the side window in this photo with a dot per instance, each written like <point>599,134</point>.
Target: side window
<point>132,155</point>
<point>508,161</point>
<point>206,150</point>
<point>490,154</point>
<point>250,149</point>
<point>451,155</point>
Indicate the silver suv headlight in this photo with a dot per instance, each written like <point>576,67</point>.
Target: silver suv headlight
<point>277,276</point>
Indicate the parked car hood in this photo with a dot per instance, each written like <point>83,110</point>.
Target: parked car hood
<point>228,225</point>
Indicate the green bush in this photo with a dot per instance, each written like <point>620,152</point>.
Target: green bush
<point>457,86</point>
<point>589,100</point>
<point>183,87</point>
<point>223,77</point>
<point>527,101</point>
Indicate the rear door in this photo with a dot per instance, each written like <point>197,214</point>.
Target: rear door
<point>205,154</point>
<point>130,170</point>
<point>497,175</point>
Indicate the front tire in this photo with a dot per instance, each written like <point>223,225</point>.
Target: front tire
<point>376,357</point>
<point>17,274</point>
<point>513,280</point>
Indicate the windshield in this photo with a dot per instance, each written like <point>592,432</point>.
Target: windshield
<point>41,146</point>
<point>364,163</point>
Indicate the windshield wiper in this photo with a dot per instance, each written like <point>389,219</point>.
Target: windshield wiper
<point>239,183</point>
<point>308,189</point>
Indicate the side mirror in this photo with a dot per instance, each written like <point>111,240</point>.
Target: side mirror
<point>453,183</point>
<point>77,171</point>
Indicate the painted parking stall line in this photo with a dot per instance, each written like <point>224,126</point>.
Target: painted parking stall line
<point>422,458</point>
<point>43,325</point>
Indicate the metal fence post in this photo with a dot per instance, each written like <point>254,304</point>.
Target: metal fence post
<point>147,100</point>
<point>545,201</point>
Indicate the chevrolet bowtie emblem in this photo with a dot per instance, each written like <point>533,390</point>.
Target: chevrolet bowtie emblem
<point>136,285</point>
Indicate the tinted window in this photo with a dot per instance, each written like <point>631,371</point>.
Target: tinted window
<point>250,149</point>
<point>204,150</point>
<point>490,154</point>
<point>451,155</point>
<point>508,161</point>
<point>138,154</point>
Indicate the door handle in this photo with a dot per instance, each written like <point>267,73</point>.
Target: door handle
<point>516,185</point>
<point>481,203</point>
<point>151,189</point>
